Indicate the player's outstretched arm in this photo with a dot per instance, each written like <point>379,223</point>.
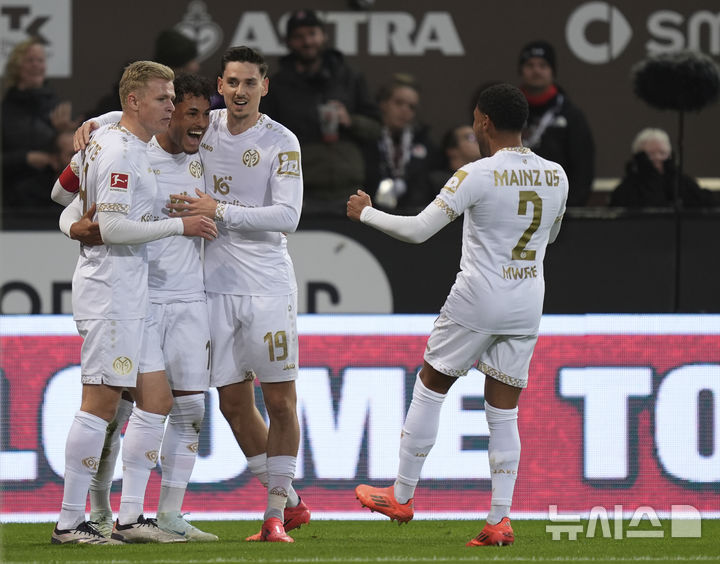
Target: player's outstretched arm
<point>411,229</point>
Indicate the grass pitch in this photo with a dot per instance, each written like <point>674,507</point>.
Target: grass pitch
<point>371,541</point>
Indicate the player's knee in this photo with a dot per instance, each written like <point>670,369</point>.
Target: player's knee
<point>160,405</point>
<point>281,408</point>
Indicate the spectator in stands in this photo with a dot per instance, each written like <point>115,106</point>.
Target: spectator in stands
<point>32,117</point>
<point>459,147</point>
<point>651,176</point>
<point>173,49</point>
<point>109,102</point>
<point>177,51</point>
<point>399,164</point>
<point>326,104</point>
<point>556,129</point>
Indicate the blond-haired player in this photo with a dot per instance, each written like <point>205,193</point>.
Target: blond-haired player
<point>110,298</point>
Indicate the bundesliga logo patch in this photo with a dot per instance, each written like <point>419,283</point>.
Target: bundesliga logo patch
<point>119,180</point>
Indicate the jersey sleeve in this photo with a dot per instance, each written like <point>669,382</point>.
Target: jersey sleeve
<point>116,179</point>
<point>459,194</point>
<point>286,188</point>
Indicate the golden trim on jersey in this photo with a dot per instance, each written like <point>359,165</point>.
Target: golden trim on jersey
<point>523,150</point>
<point>122,208</point>
<point>501,376</point>
<point>447,209</point>
<point>220,212</point>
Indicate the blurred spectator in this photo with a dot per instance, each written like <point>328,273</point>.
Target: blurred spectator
<point>459,147</point>
<point>177,51</point>
<point>326,104</point>
<point>63,149</point>
<point>556,128</point>
<point>172,48</point>
<point>32,117</point>
<point>399,164</point>
<point>650,176</point>
<point>110,102</point>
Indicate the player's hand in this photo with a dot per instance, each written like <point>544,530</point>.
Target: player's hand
<point>356,204</point>
<point>182,205</point>
<point>81,138</point>
<point>86,230</point>
<point>199,226</point>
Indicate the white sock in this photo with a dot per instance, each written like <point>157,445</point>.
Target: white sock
<point>102,480</point>
<point>281,471</point>
<point>258,466</point>
<point>418,437</point>
<point>179,450</point>
<point>139,455</point>
<point>504,456</point>
<point>82,455</point>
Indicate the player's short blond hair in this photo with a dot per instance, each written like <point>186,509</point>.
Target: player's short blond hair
<point>138,74</point>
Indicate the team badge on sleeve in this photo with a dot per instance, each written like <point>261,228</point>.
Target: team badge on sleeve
<point>454,183</point>
<point>119,181</point>
<point>289,164</point>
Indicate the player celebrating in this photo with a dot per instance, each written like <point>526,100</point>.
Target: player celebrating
<point>110,297</point>
<point>252,166</point>
<point>232,133</point>
<point>181,341</point>
<point>513,202</point>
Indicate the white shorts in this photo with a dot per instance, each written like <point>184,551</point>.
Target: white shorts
<point>179,344</point>
<point>110,352</point>
<point>453,349</point>
<point>253,336</point>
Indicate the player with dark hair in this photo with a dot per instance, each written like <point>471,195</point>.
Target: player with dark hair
<point>254,192</point>
<point>513,202</point>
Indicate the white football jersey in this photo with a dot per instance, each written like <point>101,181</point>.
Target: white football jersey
<point>511,201</point>
<point>175,263</point>
<point>256,168</point>
<point>110,281</point>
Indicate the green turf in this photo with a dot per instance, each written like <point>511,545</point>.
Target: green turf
<point>370,541</point>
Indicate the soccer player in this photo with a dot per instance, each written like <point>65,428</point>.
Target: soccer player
<point>110,301</point>
<point>513,202</point>
<point>252,167</point>
<point>181,341</point>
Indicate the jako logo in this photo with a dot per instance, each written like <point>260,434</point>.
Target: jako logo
<point>619,32</point>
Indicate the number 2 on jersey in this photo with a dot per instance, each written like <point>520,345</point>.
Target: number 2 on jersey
<point>520,252</point>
